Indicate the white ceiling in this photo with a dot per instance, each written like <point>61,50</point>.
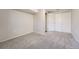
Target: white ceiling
<point>57,10</point>
<point>33,11</point>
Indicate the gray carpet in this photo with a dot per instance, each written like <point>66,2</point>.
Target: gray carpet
<point>51,40</point>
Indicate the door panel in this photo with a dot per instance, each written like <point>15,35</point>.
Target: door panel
<point>59,22</point>
<point>50,22</point>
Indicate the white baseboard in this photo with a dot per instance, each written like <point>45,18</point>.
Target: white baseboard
<point>14,37</point>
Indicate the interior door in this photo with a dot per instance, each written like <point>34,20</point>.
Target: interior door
<point>50,22</point>
<point>59,22</point>
<point>66,22</point>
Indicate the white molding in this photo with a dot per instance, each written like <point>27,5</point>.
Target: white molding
<point>15,37</point>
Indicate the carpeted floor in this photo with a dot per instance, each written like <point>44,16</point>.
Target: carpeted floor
<point>51,40</point>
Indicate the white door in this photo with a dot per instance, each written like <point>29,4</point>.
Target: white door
<point>66,22</point>
<point>50,22</point>
<point>59,22</point>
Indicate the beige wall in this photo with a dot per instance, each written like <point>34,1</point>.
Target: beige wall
<point>14,23</point>
<point>75,24</point>
<point>39,22</point>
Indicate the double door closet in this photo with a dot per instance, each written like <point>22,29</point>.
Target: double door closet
<point>60,22</point>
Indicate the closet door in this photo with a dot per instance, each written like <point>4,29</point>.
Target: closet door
<point>58,22</point>
<point>63,22</point>
<point>50,22</point>
<point>66,22</point>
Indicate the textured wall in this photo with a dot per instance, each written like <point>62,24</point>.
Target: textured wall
<point>14,23</point>
<point>39,22</point>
